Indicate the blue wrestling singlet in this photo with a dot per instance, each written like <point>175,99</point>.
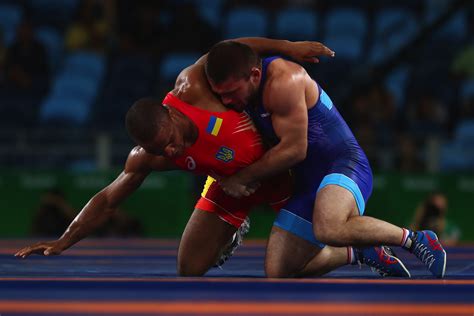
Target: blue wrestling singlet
<point>333,157</point>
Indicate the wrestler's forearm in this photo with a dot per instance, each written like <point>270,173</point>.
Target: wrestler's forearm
<point>265,45</point>
<point>274,161</point>
<point>262,46</point>
<point>94,214</point>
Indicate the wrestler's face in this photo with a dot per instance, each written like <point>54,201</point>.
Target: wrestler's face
<point>238,93</point>
<point>168,143</point>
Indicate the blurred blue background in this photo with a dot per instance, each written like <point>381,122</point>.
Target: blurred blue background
<point>403,76</point>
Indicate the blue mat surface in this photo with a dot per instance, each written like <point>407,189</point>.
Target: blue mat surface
<point>138,277</point>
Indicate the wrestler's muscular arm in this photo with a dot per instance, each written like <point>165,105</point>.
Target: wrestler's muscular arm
<point>304,51</point>
<point>103,205</point>
<point>285,98</point>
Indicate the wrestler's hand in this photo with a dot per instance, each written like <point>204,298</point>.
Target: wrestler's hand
<point>42,248</point>
<point>236,188</point>
<point>307,51</point>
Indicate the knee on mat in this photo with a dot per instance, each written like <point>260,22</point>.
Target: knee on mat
<point>327,235</point>
<point>277,271</point>
<point>191,270</point>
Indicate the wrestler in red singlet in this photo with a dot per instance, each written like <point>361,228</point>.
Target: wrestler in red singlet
<point>227,142</point>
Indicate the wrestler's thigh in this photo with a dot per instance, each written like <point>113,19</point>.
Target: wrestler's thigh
<point>333,206</point>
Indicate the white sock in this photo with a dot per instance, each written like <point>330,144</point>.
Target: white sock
<point>351,258</point>
<point>406,240</point>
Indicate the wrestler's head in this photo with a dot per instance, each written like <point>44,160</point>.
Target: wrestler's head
<point>234,73</point>
<point>155,128</point>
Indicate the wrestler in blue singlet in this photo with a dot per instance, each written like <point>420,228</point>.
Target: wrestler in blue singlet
<point>333,157</point>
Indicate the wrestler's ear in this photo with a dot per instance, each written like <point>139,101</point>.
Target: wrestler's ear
<point>170,150</point>
<point>255,74</point>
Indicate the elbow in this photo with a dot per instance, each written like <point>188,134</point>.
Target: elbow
<point>298,154</point>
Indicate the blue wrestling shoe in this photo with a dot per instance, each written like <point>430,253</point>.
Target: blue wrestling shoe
<point>426,247</point>
<point>382,260</point>
<point>236,242</point>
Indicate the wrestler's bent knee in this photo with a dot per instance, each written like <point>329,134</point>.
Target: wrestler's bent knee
<point>191,269</point>
<point>278,271</point>
<point>327,235</point>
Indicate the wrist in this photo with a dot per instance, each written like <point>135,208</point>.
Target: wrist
<point>244,178</point>
<point>65,241</point>
<point>61,244</point>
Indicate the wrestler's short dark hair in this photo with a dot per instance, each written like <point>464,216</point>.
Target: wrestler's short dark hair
<point>145,119</point>
<point>230,59</point>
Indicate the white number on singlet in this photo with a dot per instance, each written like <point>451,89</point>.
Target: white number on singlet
<point>190,163</point>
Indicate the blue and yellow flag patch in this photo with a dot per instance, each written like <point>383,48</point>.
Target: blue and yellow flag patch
<point>225,154</point>
<point>214,125</point>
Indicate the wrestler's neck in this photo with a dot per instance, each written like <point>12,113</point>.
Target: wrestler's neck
<point>255,96</point>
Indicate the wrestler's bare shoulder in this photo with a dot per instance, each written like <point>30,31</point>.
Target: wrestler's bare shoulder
<point>286,78</point>
<point>283,71</point>
<point>192,87</point>
<point>140,161</point>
